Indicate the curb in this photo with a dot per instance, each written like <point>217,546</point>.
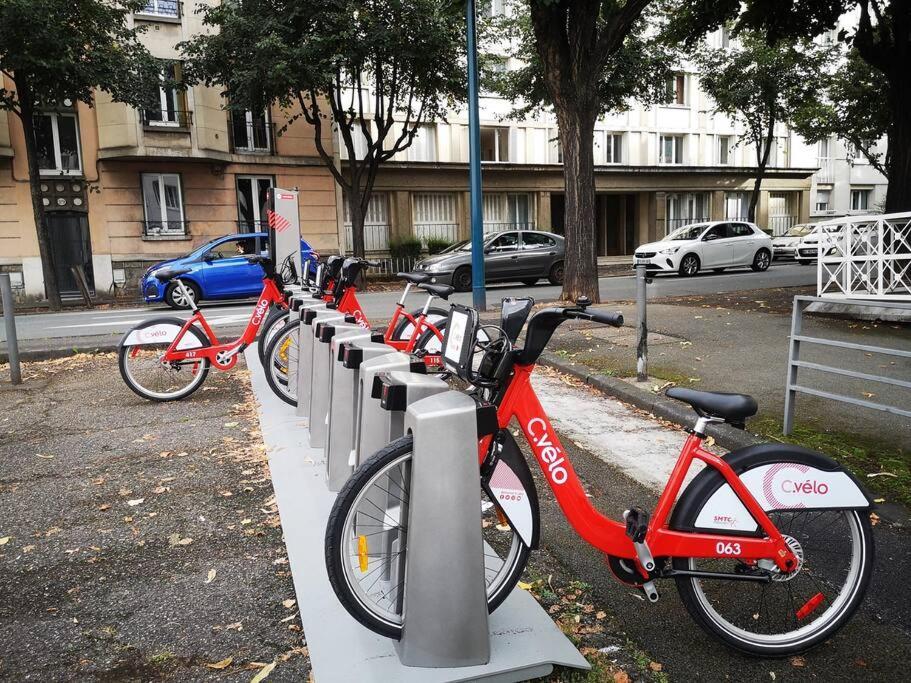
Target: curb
<point>725,435</point>
<point>50,354</point>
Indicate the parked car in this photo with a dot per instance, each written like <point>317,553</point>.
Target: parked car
<point>218,270</point>
<point>785,246</point>
<point>716,245</point>
<point>525,256</point>
<point>808,250</point>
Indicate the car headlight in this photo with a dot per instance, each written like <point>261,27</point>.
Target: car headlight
<point>669,250</point>
<point>434,267</point>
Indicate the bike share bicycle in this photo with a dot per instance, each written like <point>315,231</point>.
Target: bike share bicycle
<point>770,546</point>
<point>419,332</point>
<point>167,358</point>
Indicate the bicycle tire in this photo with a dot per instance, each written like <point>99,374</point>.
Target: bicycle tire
<point>270,327</point>
<point>271,364</point>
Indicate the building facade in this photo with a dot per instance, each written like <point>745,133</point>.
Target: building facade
<point>124,188</point>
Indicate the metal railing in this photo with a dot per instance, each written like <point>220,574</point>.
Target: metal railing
<point>250,137</point>
<point>798,338</point>
<point>162,8</point>
<point>865,257</point>
<point>165,228</point>
<point>445,231</point>
<point>376,237</point>
<point>494,226</point>
<point>389,266</point>
<point>158,118</point>
<point>252,226</point>
<point>779,225</point>
<point>826,172</point>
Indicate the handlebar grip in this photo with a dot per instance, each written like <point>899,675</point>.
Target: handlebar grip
<point>603,317</point>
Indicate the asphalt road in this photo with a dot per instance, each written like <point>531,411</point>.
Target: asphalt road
<point>378,305</point>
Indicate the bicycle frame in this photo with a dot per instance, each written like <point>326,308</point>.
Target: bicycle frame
<point>224,355</point>
<point>520,402</point>
<point>418,325</point>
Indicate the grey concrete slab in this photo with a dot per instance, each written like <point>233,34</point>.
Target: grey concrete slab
<point>524,641</point>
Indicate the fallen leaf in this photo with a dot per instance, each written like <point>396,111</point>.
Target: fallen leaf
<point>46,457</point>
<point>524,586</point>
<point>160,489</point>
<point>600,615</point>
<point>223,664</point>
<point>798,662</point>
<point>289,603</point>
<point>5,540</point>
<point>211,576</point>
<point>263,673</point>
<point>868,394</point>
<point>874,519</point>
<point>104,506</point>
<point>231,424</point>
<point>655,666</point>
<point>879,500</point>
<point>185,541</point>
<point>621,677</point>
<point>135,502</point>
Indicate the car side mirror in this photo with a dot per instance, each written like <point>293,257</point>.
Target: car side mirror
<point>709,238</point>
<point>488,250</point>
<point>208,257</point>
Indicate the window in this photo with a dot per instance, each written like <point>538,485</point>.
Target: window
<point>822,149</point>
<point>492,8</point>
<point>172,108</point>
<point>424,145</point>
<point>163,203</point>
<point>162,8</point>
<point>717,232</point>
<point>670,150</point>
<point>724,150</point>
<point>252,192</point>
<point>613,148</point>
<point>736,205</point>
<point>823,200</point>
<point>685,208</point>
<point>243,246</point>
<point>675,86</point>
<point>57,136</point>
<point>251,132</point>
<point>739,230</point>
<point>554,147</point>
<point>537,240</point>
<point>724,37</point>
<point>508,241</point>
<point>494,143</point>
<point>860,200</point>
<point>508,211</point>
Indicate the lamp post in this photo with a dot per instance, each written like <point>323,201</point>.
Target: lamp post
<point>479,295</point>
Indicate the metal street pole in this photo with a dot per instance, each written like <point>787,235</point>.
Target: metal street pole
<point>479,295</point>
<point>9,316</point>
<point>641,326</point>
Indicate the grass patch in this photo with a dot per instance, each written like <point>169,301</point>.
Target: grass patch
<point>861,455</point>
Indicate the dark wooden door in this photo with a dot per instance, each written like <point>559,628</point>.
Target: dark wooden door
<point>69,233</point>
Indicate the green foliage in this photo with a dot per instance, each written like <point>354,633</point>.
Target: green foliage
<point>407,246</point>
<point>437,244</point>
<point>56,50</point>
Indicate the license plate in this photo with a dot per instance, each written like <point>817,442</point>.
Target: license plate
<point>643,261</point>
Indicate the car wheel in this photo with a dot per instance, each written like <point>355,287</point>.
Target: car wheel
<point>761,261</point>
<point>555,276</point>
<point>530,282</point>
<point>718,270</point>
<point>689,265</point>
<point>175,299</point>
<point>461,279</point>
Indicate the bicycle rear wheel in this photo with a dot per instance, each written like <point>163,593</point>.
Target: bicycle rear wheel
<point>146,374</point>
<point>367,542</point>
<point>281,363</point>
<point>278,317</point>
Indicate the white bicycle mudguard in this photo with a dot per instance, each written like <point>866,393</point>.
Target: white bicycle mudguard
<point>512,487</point>
<point>780,486</point>
<point>161,333</point>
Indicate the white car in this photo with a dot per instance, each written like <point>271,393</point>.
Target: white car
<point>786,245</point>
<point>715,245</point>
<point>808,250</point>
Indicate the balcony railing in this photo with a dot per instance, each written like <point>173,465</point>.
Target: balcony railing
<point>503,227</point>
<point>170,9</point>
<point>826,172</point>
<point>779,225</point>
<point>165,229</point>
<point>376,237</point>
<point>252,226</point>
<point>164,119</point>
<point>255,136</point>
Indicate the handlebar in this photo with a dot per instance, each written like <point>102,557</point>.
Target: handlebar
<point>602,317</point>
<point>545,322</point>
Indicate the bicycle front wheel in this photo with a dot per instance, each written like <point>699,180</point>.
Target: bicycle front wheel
<point>278,317</point>
<point>367,542</point>
<point>146,373</point>
<point>281,363</point>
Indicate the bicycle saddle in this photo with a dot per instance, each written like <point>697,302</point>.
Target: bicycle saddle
<point>413,278</point>
<point>442,291</point>
<point>733,407</point>
<point>170,273</point>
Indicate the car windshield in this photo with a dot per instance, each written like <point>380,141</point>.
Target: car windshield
<point>464,245</point>
<point>799,231</point>
<point>687,232</point>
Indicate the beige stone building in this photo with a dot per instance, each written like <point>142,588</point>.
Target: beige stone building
<point>125,188</point>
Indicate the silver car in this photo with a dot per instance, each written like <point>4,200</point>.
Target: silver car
<point>524,256</point>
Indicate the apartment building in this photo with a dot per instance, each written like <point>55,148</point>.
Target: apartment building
<point>656,168</point>
<point>125,188</point>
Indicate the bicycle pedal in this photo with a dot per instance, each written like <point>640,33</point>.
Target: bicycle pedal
<point>651,592</point>
<point>636,524</point>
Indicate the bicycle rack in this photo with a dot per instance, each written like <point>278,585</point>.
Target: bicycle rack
<point>324,330</point>
<point>370,423</point>
<point>307,313</point>
<point>307,350</point>
<point>349,351</point>
<point>445,620</point>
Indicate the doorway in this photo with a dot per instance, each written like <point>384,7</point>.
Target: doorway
<point>252,194</point>
<point>71,246</point>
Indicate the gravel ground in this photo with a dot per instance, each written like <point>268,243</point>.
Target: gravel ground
<point>138,540</point>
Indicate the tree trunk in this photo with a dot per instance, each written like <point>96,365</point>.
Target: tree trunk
<point>577,126</point>
<point>762,161</point>
<point>27,116</point>
<point>357,219</point>
<point>898,194</point>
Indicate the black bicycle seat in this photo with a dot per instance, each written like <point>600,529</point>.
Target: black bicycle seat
<point>442,291</point>
<point>413,278</point>
<point>170,273</point>
<point>734,407</point>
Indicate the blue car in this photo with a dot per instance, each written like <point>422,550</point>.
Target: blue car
<point>218,270</point>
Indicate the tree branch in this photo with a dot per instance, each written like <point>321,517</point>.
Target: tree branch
<point>315,119</point>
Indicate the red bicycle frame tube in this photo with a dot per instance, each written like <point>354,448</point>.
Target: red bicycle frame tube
<point>418,325</point>
<point>228,351</point>
<point>521,402</point>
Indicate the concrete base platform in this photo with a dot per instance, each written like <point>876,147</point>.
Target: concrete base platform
<point>870,311</point>
<point>525,642</point>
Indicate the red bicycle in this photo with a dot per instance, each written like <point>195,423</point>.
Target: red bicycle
<point>770,546</point>
<point>167,359</point>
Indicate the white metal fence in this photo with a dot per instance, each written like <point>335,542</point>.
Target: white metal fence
<point>865,257</point>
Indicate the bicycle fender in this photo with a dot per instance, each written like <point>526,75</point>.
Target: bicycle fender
<point>779,476</point>
<point>162,330</point>
<point>506,478</point>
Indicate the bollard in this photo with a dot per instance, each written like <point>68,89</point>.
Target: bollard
<point>641,326</point>
<point>9,317</point>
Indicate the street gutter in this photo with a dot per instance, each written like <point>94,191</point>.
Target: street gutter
<point>50,354</point>
<point>726,436</point>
